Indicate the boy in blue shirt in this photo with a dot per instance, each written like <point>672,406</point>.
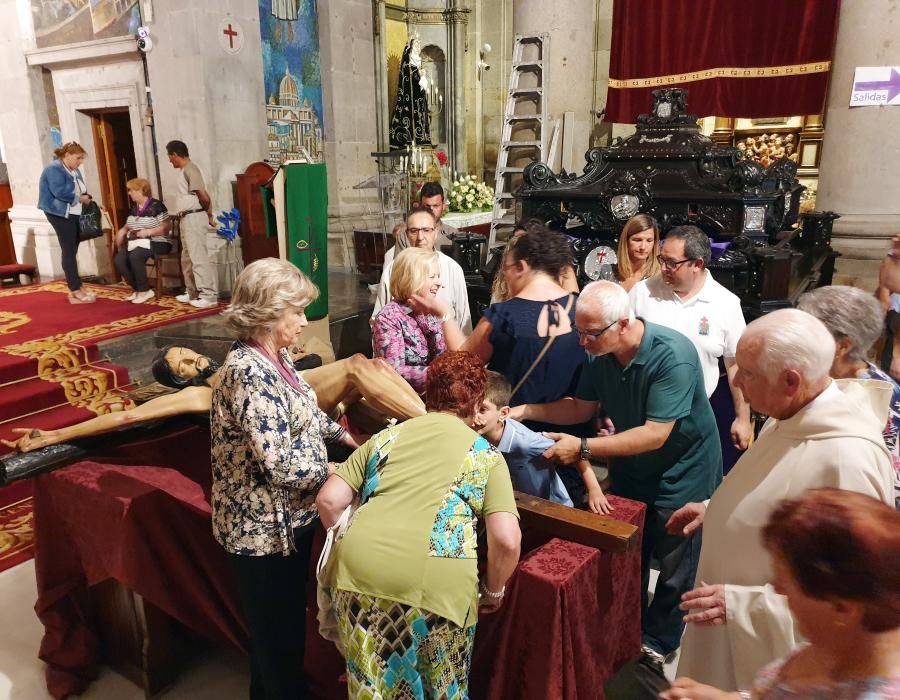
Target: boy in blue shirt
<point>523,450</point>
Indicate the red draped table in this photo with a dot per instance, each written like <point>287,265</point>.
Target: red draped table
<point>571,616</point>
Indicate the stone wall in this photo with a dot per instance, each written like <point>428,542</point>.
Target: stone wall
<point>346,43</point>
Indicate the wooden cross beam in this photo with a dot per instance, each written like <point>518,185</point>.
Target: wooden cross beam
<point>584,527</point>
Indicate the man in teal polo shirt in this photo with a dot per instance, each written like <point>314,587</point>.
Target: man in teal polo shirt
<point>665,451</point>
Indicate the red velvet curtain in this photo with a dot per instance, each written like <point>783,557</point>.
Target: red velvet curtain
<point>765,58</point>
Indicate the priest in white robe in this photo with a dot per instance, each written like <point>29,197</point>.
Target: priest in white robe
<point>821,432</point>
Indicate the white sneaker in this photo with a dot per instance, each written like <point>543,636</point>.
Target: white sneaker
<point>202,303</point>
<point>142,297</point>
<point>131,296</point>
<point>184,298</point>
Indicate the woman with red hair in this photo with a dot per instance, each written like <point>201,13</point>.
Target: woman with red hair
<point>405,576</point>
<point>836,557</point>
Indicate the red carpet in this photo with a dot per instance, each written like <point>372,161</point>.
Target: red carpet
<point>51,373</point>
<point>16,534</point>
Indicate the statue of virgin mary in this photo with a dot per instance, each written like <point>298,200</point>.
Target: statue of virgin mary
<point>409,123</point>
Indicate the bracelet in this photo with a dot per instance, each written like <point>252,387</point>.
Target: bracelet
<point>486,592</point>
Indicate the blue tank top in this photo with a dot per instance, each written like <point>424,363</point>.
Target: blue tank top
<point>516,344</point>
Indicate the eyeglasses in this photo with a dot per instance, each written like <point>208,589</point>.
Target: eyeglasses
<point>671,264</point>
<point>593,335</point>
<point>416,231</point>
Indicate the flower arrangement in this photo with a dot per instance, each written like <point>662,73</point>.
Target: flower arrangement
<point>230,222</point>
<point>469,194</point>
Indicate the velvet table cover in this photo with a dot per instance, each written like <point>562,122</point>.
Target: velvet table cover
<point>571,617</point>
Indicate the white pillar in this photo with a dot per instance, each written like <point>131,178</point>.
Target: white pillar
<point>568,77</point>
<point>347,50</point>
<point>26,130</point>
<point>858,176</point>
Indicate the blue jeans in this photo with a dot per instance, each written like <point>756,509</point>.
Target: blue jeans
<point>677,557</point>
<point>69,239</point>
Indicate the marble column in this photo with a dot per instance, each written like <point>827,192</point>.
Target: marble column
<point>349,96</point>
<point>457,19</point>
<point>859,178</point>
<point>26,132</point>
<point>569,73</point>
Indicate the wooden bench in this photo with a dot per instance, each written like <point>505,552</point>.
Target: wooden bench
<point>11,275</point>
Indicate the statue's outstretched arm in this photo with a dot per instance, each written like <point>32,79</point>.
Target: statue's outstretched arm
<point>192,399</point>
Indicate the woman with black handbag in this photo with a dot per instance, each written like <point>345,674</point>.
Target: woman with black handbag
<point>61,194</point>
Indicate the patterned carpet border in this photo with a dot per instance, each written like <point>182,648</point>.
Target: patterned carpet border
<point>169,311</point>
<point>16,533</point>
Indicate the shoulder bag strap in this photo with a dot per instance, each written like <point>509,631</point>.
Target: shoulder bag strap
<point>550,339</point>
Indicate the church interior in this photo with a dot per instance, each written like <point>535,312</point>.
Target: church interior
<point>443,182</point>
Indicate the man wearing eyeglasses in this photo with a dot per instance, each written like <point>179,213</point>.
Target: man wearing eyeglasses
<point>685,297</point>
<point>422,233</point>
<point>665,451</point>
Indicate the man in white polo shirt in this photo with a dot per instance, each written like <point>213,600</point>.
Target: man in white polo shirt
<point>685,297</point>
<point>422,232</point>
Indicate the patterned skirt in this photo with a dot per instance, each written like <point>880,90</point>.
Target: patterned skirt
<point>397,652</point>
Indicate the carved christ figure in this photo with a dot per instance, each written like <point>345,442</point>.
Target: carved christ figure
<point>337,385</point>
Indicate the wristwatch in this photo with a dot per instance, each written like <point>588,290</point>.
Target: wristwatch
<point>585,450</point>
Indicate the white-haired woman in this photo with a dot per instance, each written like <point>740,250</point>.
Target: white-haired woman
<point>407,339</point>
<point>856,320</point>
<point>268,461</point>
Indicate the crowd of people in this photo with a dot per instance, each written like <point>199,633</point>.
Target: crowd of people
<point>146,233</point>
<point>781,579</point>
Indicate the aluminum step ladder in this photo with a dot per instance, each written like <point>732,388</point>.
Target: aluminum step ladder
<point>525,134</point>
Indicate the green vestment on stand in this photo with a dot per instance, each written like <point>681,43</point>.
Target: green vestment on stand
<point>306,202</point>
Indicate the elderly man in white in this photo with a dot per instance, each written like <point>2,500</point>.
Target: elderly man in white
<point>684,296</point>
<point>821,432</point>
<point>421,228</point>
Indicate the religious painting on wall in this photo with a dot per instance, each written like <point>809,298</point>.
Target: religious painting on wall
<point>58,22</point>
<point>292,80</point>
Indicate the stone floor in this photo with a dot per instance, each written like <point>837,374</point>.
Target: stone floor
<point>218,675</point>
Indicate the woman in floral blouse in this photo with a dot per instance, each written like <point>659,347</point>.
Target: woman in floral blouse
<point>408,339</point>
<point>268,461</point>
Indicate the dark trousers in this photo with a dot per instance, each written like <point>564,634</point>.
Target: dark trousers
<point>132,264</point>
<point>891,327</point>
<point>67,234</point>
<point>272,591</point>
<point>677,556</point>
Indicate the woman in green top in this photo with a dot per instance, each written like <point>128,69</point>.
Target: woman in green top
<point>406,587</point>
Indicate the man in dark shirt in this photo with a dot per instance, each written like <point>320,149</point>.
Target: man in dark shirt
<point>665,450</point>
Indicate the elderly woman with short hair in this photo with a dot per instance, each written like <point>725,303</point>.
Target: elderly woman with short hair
<point>405,571</point>
<point>408,339</point>
<point>144,236</point>
<point>856,321</point>
<point>268,461</point>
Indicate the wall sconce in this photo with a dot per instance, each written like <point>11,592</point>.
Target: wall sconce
<point>482,65</point>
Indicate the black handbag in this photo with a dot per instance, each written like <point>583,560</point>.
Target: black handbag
<point>90,221</point>
<point>639,679</point>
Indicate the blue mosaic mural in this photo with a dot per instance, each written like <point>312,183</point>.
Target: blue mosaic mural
<point>293,80</point>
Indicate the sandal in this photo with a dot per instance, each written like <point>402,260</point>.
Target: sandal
<point>81,297</point>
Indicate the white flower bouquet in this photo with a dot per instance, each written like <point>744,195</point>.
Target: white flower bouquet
<point>469,194</point>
